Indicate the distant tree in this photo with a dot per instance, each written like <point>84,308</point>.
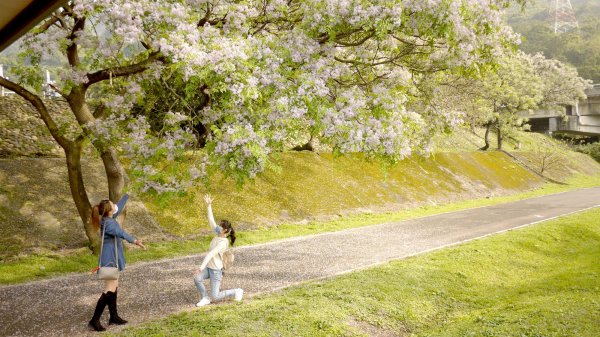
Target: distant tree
<point>531,83</point>
<point>547,159</point>
<point>561,84</point>
<point>501,93</point>
<point>519,83</point>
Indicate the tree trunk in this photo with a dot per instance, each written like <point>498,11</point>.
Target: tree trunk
<point>115,174</point>
<point>486,138</point>
<point>499,136</point>
<point>78,192</point>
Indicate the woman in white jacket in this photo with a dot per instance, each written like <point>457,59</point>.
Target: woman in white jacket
<point>212,265</point>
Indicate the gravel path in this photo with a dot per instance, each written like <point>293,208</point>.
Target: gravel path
<point>62,306</point>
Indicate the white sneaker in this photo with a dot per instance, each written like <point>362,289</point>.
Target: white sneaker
<point>239,293</point>
<point>204,301</point>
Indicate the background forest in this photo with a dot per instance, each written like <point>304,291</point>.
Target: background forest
<point>579,48</point>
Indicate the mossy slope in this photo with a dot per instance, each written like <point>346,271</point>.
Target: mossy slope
<point>313,186</point>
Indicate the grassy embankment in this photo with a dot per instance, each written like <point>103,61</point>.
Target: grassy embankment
<point>542,280</point>
<point>312,194</point>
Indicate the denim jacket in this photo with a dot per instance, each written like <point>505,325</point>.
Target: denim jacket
<point>112,230</point>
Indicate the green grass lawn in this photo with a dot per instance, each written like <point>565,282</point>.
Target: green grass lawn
<point>542,280</point>
<point>40,266</point>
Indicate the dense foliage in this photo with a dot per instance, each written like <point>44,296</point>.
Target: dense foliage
<point>592,149</point>
<point>262,74</point>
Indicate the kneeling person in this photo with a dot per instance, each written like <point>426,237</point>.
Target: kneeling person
<point>212,265</point>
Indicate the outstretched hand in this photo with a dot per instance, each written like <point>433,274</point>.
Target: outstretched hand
<point>208,199</point>
<point>139,244</point>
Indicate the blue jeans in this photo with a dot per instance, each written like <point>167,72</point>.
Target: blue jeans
<point>215,275</point>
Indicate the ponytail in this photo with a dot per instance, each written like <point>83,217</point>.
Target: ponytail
<point>232,236</point>
<point>226,225</point>
<point>96,218</point>
<point>100,211</point>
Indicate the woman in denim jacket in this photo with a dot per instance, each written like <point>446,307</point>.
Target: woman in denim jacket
<point>104,219</point>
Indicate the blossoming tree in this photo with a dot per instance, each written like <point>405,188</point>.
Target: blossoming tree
<point>518,83</point>
<point>268,72</point>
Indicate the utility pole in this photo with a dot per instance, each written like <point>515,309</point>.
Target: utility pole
<point>564,17</point>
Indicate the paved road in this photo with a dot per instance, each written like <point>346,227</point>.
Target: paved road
<point>62,306</point>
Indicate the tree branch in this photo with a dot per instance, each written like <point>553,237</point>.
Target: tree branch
<point>325,37</point>
<point>372,63</point>
<point>131,69</point>
<point>206,17</point>
<point>72,54</point>
<point>355,43</point>
<point>57,90</point>
<point>68,9</point>
<point>51,21</point>
<point>39,105</point>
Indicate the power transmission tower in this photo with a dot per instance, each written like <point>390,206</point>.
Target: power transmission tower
<point>564,17</point>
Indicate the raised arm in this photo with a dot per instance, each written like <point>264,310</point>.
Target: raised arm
<point>112,228</point>
<point>121,204</point>
<point>209,213</point>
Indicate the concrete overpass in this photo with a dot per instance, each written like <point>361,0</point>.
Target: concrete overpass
<point>581,119</point>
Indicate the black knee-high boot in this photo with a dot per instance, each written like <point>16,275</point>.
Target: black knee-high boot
<point>112,307</point>
<point>95,321</point>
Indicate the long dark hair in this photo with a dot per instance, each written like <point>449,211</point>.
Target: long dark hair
<point>226,225</point>
<point>100,211</point>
